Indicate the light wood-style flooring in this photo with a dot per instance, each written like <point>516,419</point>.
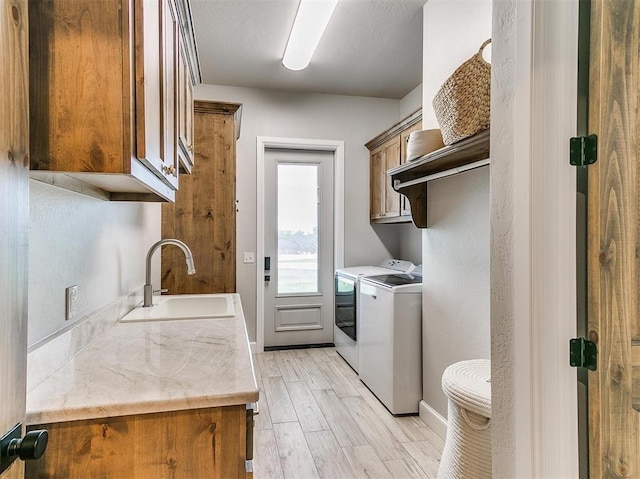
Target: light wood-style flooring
<point>318,420</point>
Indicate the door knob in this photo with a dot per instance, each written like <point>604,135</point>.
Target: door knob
<point>31,446</point>
<point>12,446</point>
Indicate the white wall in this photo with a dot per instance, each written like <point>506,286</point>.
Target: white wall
<point>456,278</point>
<point>76,240</point>
<point>455,245</point>
<point>411,102</point>
<point>311,116</point>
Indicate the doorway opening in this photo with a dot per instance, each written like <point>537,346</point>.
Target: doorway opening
<point>296,157</point>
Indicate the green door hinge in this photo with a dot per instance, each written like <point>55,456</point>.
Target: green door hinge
<point>583,354</point>
<point>583,150</point>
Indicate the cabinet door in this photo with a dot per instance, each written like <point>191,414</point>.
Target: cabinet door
<point>376,183</point>
<point>185,110</point>
<point>169,89</point>
<point>405,208</point>
<point>79,112</point>
<point>391,197</point>
<point>154,53</point>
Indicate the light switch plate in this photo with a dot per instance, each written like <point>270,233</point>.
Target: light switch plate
<point>249,258</point>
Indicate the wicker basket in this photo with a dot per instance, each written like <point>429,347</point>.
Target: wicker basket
<point>462,105</point>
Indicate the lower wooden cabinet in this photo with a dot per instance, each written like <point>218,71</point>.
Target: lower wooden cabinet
<point>192,444</point>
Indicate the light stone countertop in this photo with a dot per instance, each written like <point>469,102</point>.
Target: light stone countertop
<point>148,367</point>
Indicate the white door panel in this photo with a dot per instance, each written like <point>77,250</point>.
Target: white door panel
<point>299,240</point>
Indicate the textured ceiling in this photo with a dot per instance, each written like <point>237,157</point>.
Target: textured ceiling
<point>370,48</point>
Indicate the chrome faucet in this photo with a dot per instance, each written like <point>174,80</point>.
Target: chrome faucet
<point>191,269</point>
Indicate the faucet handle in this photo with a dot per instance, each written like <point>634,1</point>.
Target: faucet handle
<point>162,290</point>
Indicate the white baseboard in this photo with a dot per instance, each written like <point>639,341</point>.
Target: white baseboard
<point>433,419</point>
<point>253,346</point>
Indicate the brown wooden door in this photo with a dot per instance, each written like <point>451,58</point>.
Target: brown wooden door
<point>14,214</point>
<point>613,240</point>
<point>204,213</point>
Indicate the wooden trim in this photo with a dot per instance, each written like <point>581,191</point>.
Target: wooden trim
<point>392,219</point>
<point>396,129</point>
<point>216,107</point>
<point>221,108</point>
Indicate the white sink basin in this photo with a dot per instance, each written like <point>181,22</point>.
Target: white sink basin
<point>184,306</point>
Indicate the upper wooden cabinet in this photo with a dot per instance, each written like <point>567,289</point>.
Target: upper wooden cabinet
<point>385,202</point>
<point>389,150</point>
<point>104,98</point>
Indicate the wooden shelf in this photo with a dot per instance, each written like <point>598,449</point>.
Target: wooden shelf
<point>411,178</point>
<point>392,219</point>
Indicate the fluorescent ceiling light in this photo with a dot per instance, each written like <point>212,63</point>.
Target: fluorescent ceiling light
<point>311,21</point>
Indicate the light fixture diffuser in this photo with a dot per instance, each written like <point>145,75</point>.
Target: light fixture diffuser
<point>311,21</point>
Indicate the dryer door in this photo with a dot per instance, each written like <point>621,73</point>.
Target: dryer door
<point>345,301</point>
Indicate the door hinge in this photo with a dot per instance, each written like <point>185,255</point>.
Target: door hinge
<point>583,354</point>
<point>583,150</point>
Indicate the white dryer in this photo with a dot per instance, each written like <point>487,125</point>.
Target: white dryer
<point>390,340</point>
<point>346,288</point>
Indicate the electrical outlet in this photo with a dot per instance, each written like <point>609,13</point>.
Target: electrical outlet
<point>249,258</point>
<point>71,299</point>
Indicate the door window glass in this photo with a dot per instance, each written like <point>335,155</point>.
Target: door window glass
<point>297,214</point>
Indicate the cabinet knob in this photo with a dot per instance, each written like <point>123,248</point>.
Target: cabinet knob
<point>190,148</point>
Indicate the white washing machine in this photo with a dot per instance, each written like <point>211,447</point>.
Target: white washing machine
<point>346,318</point>
<point>390,339</point>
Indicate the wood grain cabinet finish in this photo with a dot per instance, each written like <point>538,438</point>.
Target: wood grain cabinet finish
<point>204,212</point>
<point>388,150</point>
<point>385,202</point>
<point>194,444</point>
<point>104,96</point>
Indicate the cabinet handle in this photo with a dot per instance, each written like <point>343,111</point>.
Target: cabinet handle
<point>169,170</point>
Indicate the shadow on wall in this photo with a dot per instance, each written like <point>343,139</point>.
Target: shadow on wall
<point>402,241</point>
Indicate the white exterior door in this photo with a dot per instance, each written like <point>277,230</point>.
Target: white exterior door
<point>298,241</point>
